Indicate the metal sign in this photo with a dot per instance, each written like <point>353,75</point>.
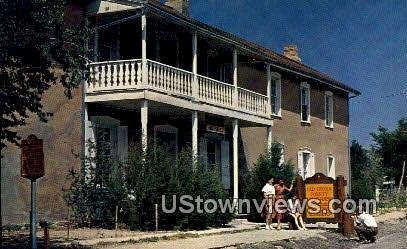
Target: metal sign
<point>32,158</point>
<point>215,129</point>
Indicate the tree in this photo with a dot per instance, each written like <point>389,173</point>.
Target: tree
<point>39,47</point>
<point>391,146</point>
<point>366,172</point>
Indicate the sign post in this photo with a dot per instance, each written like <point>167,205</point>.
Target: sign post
<point>32,168</point>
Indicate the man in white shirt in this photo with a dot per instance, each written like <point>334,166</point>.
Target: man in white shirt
<point>269,193</point>
<point>366,227</point>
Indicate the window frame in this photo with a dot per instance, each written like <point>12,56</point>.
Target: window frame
<point>305,172</point>
<point>306,86</point>
<point>328,168</point>
<point>329,116</point>
<point>275,79</point>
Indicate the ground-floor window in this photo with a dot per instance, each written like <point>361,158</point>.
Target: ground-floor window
<point>214,151</point>
<point>167,136</point>
<point>331,166</point>
<point>306,163</point>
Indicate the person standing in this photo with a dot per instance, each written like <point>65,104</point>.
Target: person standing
<point>280,190</point>
<point>269,195</point>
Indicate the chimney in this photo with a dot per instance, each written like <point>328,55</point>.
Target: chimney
<point>181,6</point>
<point>291,52</point>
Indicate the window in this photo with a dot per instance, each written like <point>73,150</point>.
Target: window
<point>167,136</point>
<point>306,164</point>
<point>305,103</point>
<point>275,94</point>
<point>331,167</point>
<point>329,109</point>
<point>281,148</point>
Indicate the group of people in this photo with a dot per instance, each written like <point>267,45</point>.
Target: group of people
<point>364,223</point>
<point>274,192</point>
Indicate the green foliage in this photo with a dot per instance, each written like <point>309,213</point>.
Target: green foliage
<point>267,166</point>
<point>391,146</point>
<point>96,191</point>
<point>366,172</point>
<point>38,48</point>
<point>394,200</point>
<point>140,184</point>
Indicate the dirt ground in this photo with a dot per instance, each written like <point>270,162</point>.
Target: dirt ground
<point>391,233</point>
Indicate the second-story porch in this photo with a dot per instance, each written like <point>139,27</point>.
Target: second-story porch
<point>147,67</point>
<point>142,53</point>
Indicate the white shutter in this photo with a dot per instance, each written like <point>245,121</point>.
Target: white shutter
<point>311,165</point>
<point>300,164</point>
<point>225,162</point>
<point>202,152</point>
<point>123,143</point>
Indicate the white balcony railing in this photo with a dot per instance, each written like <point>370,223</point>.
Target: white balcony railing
<point>214,91</point>
<point>127,75</point>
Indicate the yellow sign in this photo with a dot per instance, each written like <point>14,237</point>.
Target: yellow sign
<point>324,193</point>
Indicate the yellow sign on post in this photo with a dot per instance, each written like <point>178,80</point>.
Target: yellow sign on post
<point>324,192</point>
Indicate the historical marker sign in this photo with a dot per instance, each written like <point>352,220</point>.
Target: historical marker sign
<point>324,192</point>
<point>32,158</point>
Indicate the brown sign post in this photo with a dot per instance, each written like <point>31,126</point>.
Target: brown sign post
<point>32,167</point>
<point>324,189</point>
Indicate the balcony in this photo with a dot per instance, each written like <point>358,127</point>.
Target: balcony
<point>129,75</point>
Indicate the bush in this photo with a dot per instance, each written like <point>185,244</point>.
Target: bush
<point>267,166</point>
<point>138,185</point>
<point>395,200</point>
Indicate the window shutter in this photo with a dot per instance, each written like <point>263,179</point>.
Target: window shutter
<point>202,151</point>
<point>300,164</point>
<point>225,169</point>
<point>123,143</point>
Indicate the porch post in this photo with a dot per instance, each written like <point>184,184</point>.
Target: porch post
<point>268,89</point>
<point>235,95</point>
<point>95,45</point>
<point>144,121</point>
<point>195,65</point>
<point>269,138</point>
<point>235,161</point>
<point>194,135</point>
<point>144,49</point>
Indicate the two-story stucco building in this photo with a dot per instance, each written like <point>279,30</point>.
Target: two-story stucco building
<point>158,74</point>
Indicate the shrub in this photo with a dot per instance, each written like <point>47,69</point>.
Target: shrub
<point>138,185</point>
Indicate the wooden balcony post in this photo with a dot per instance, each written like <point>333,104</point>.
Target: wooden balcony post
<point>194,136</point>
<point>195,65</point>
<point>95,45</point>
<point>144,123</point>
<point>144,49</point>
<point>235,125</point>
<point>269,138</point>
<point>268,90</point>
<point>235,93</point>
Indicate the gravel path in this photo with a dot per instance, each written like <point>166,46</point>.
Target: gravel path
<point>392,235</point>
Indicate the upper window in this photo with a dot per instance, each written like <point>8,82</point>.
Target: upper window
<point>305,102</point>
<point>329,109</point>
<point>275,94</point>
